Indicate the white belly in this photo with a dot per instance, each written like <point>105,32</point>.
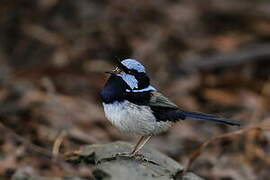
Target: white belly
<point>134,119</point>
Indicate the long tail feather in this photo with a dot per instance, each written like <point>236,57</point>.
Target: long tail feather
<point>209,117</point>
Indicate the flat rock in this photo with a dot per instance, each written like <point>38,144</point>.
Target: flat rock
<point>111,163</point>
<point>149,165</point>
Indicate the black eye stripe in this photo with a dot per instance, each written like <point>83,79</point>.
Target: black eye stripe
<point>132,71</point>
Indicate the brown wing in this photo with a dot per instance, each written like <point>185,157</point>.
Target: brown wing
<point>163,109</point>
<point>157,99</point>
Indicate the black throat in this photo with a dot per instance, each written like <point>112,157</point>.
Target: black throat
<point>115,90</point>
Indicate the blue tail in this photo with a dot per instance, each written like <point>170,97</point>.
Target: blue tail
<point>209,117</point>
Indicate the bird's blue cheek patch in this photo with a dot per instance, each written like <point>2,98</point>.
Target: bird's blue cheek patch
<point>130,80</point>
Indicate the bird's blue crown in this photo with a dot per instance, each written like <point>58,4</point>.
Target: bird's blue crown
<point>133,64</point>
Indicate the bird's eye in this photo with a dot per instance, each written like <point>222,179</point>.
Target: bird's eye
<point>131,71</point>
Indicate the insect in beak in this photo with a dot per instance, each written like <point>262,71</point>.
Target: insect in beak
<point>115,71</point>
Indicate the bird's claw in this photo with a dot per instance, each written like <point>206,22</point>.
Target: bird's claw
<point>131,155</point>
<point>137,156</point>
<point>123,154</point>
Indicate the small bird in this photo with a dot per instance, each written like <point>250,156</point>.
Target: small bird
<point>134,106</point>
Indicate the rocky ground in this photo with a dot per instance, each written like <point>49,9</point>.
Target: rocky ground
<point>210,56</point>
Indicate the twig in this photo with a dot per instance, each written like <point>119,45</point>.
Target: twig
<point>57,143</point>
<point>197,153</point>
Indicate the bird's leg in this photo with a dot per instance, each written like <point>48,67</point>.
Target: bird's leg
<point>135,147</point>
<point>142,141</point>
<point>137,144</point>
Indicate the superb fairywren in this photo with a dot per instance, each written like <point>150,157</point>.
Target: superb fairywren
<point>134,106</point>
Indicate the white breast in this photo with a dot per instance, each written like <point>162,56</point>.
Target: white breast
<point>134,119</point>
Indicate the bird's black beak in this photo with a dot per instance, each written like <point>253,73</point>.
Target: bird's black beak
<point>115,71</point>
<point>108,72</point>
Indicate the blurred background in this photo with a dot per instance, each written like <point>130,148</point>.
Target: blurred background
<point>205,55</point>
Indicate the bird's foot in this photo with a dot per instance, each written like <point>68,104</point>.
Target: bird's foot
<point>130,155</point>
<point>136,156</point>
<point>122,154</point>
